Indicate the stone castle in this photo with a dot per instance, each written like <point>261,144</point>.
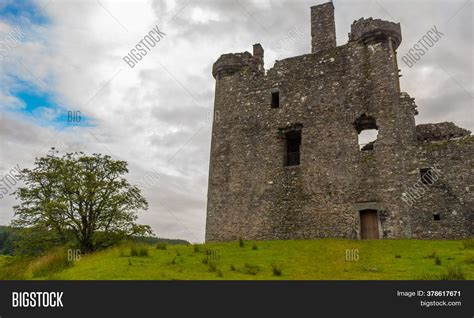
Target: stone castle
<point>286,161</point>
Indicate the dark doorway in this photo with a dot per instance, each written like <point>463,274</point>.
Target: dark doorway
<point>369,225</point>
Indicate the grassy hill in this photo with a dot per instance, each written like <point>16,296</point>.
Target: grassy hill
<point>325,259</point>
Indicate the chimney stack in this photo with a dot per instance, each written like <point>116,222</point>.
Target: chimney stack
<point>323,27</point>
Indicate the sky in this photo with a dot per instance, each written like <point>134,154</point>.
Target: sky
<point>61,57</point>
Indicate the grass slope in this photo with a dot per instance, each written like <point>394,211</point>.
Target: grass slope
<point>323,259</point>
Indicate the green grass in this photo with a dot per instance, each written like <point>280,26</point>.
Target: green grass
<point>323,259</point>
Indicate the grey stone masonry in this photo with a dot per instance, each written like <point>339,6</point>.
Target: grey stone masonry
<point>286,160</point>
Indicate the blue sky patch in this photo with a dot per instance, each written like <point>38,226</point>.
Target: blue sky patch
<point>22,11</point>
<point>44,110</point>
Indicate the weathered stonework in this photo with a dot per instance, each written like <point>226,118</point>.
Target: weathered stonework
<point>328,97</point>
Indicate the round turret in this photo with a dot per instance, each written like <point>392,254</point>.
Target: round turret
<point>229,64</point>
<point>370,31</point>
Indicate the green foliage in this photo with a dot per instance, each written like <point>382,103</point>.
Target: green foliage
<point>102,240</point>
<point>139,250</point>
<point>469,259</point>
<point>161,246</point>
<point>13,267</point>
<point>297,259</point>
<point>453,273</point>
<point>432,255</point>
<point>437,260</point>
<point>7,240</point>
<point>38,240</point>
<point>173,261</point>
<point>196,248</point>
<point>254,247</point>
<point>219,273</point>
<point>53,262</point>
<point>241,242</point>
<point>85,196</point>
<point>468,244</point>
<point>398,256</point>
<point>250,269</point>
<point>211,267</point>
<point>151,240</point>
<point>122,251</point>
<point>276,270</point>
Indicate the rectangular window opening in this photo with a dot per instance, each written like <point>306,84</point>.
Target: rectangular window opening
<point>293,142</point>
<point>426,175</point>
<point>275,99</point>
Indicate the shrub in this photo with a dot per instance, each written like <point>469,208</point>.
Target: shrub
<point>254,247</point>
<point>232,268</point>
<point>53,262</point>
<point>276,270</point>
<point>121,251</point>
<point>241,242</point>
<point>468,244</point>
<point>453,273</point>
<point>139,250</point>
<point>205,260</point>
<point>212,267</point>
<point>173,261</point>
<point>177,253</point>
<point>14,268</point>
<point>161,246</point>
<point>469,260</point>
<point>437,260</point>
<point>196,248</point>
<point>251,269</point>
<point>371,269</point>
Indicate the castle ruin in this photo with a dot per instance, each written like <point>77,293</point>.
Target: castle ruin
<point>286,161</point>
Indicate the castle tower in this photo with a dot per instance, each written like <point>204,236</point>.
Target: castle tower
<point>286,160</point>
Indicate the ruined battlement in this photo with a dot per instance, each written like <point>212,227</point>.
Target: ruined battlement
<point>440,131</point>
